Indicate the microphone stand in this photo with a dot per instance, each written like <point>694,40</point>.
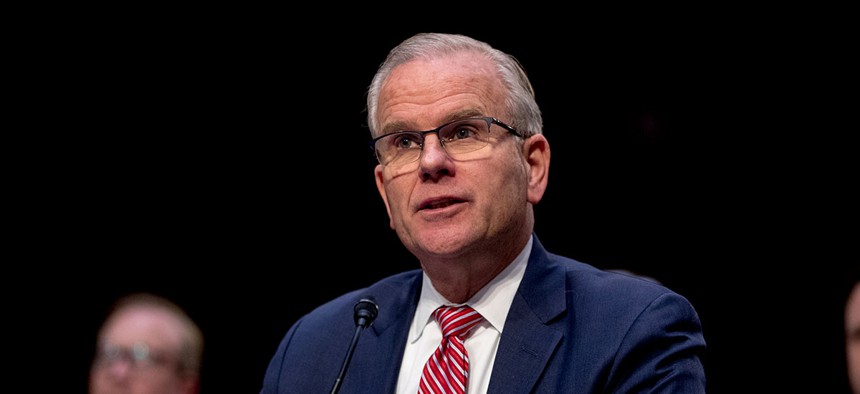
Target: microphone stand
<point>365,312</point>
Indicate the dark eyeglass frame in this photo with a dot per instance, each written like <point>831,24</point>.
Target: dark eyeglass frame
<point>489,119</point>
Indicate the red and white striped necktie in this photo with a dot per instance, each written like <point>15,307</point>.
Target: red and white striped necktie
<point>447,370</point>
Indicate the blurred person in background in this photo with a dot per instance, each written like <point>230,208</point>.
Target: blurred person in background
<point>852,333</point>
<point>147,345</point>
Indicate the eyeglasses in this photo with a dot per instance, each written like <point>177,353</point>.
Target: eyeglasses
<point>139,356</point>
<point>457,137</point>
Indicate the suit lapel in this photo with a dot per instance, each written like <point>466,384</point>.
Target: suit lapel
<point>528,339</point>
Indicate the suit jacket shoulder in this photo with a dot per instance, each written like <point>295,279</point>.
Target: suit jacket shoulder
<point>575,328</point>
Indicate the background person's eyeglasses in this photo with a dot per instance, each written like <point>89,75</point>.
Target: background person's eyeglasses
<point>138,356</point>
<point>457,137</point>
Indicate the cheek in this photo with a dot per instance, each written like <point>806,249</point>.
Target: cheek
<point>514,176</point>
<point>398,192</point>
<point>505,184</point>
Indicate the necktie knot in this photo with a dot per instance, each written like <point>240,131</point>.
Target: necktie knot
<point>447,370</point>
<point>457,320</point>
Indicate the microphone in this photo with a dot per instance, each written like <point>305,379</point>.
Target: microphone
<point>365,312</point>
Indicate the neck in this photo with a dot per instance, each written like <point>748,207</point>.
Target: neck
<point>461,277</point>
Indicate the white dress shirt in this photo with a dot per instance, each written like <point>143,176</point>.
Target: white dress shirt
<point>493,303</point>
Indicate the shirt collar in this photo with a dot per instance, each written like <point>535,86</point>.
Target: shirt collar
<point>493,301</point>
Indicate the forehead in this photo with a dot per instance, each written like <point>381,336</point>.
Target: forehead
<point>423,93</point>
<point>153,326</point>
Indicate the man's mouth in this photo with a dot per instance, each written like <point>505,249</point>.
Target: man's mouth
<point>440,204</point>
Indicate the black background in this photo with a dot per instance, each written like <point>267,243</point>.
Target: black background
<point>221,160</point>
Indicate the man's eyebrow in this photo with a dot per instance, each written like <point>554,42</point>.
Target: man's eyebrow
<point>396,126</point>
<point>400,125</point>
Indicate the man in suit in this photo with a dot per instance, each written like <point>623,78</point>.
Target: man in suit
<point>462,161</point>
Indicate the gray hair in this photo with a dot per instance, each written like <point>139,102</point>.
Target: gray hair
<point>520,103</point>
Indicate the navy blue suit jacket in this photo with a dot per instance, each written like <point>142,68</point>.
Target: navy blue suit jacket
<point>571,329</point>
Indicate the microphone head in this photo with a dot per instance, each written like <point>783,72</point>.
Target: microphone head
<point>365,312</point>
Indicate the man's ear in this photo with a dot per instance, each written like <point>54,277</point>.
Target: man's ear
<point>536,151</point>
